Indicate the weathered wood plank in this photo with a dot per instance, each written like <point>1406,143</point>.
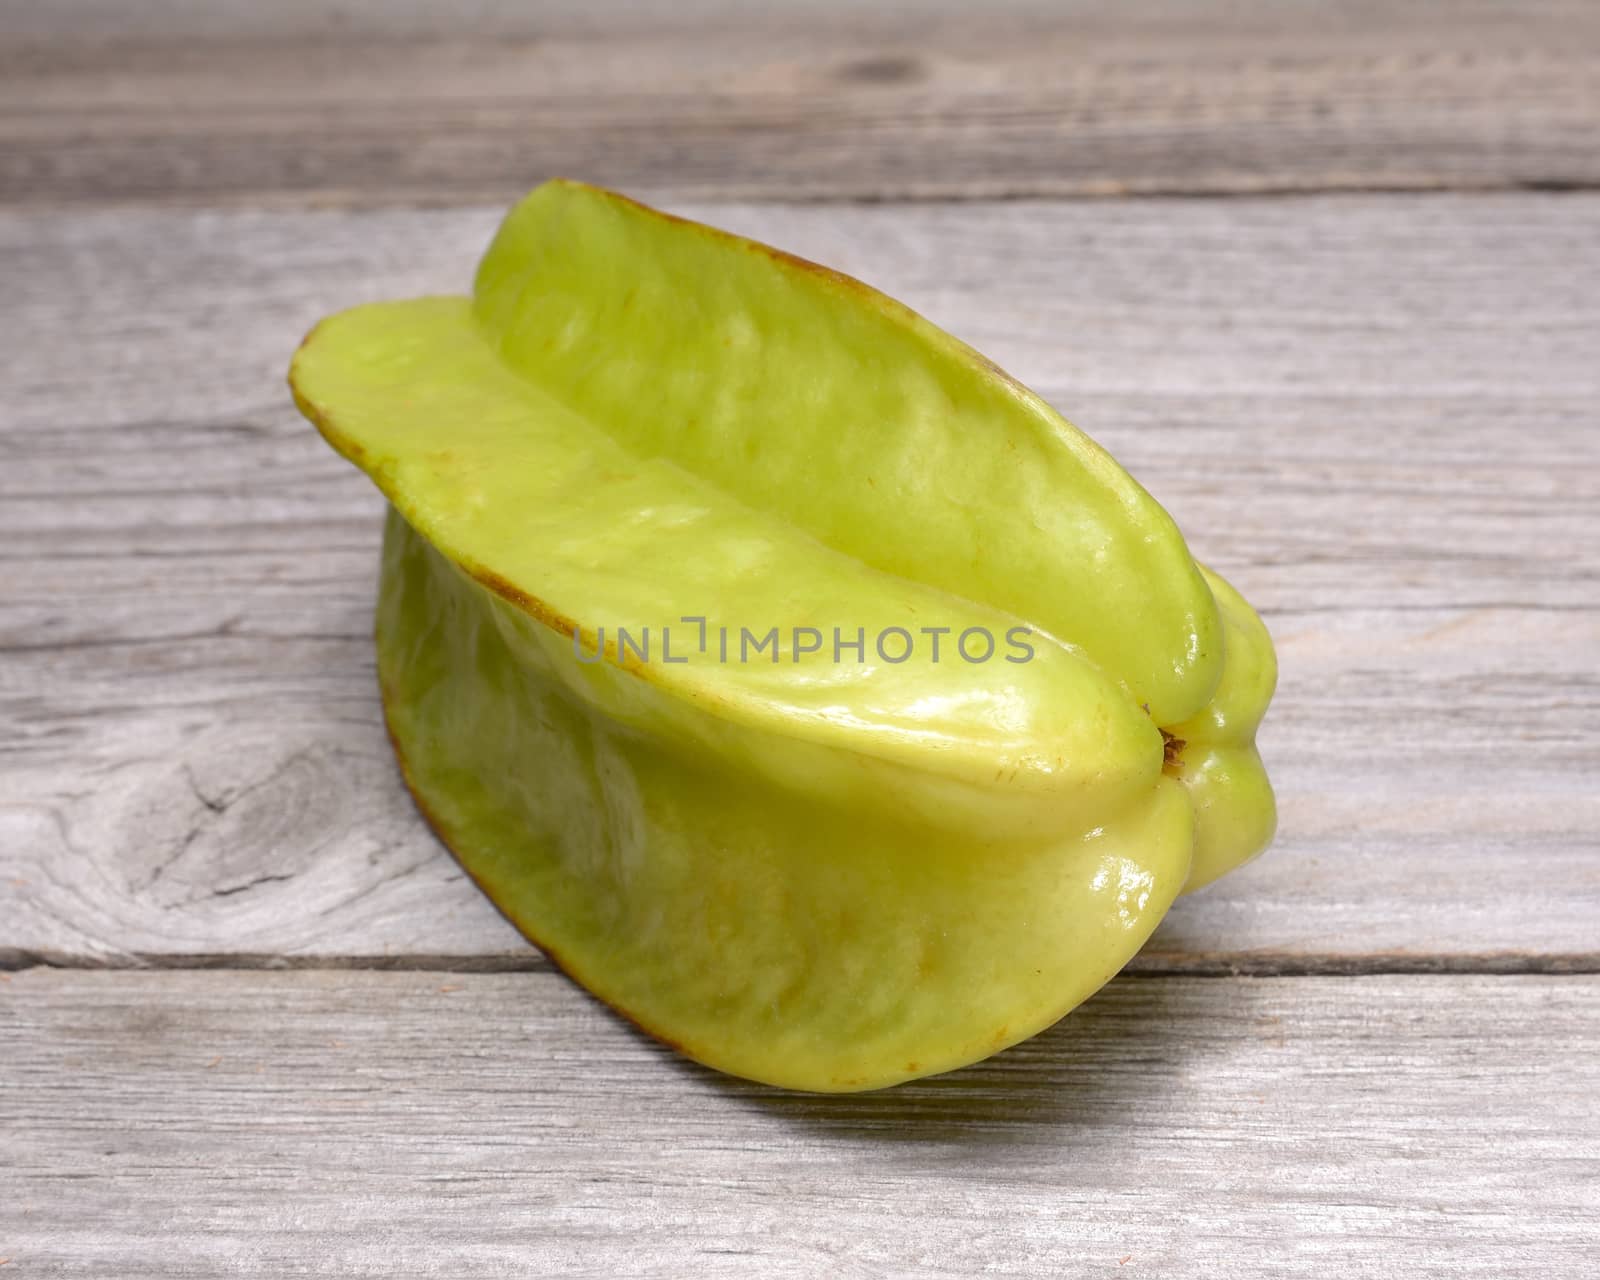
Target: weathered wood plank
<point>1377,414</point>
<point>380,1124</point>
<point>372,102</point>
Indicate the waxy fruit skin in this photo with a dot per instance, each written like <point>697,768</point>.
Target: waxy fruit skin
<point>823,872</point>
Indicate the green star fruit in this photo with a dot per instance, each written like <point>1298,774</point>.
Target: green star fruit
<point>815,694</point>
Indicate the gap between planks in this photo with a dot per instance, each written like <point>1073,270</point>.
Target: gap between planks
<point>355,202</point>
<point>1160,964</point>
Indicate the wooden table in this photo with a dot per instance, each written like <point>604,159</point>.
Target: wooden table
<point>1326,278</point>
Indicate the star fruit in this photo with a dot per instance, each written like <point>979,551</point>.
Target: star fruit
<point>814,694</point>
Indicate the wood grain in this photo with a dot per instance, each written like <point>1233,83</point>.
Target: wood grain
<point>369,102</point>
<point>361,1124</point>
<point>1375,413</point>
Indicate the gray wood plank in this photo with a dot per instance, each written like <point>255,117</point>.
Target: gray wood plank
<point>362,1124</point>
<point>1377,414</point>
<point>369,102</point>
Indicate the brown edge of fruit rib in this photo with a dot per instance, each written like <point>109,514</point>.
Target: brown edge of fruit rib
<point>874,295</point>
<point>492,582</point>
<point>436,825</point>
<point>891,305</point>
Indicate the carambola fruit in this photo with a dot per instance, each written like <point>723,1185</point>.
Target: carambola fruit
<point>866,850</point>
